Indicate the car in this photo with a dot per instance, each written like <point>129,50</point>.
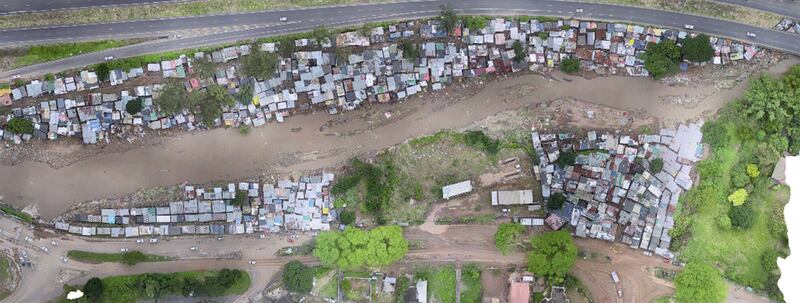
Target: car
<point>751,34</point>
<point>54,243</point>
<point>177,36</point>
<point>153,240</point>
<point>252,262</point>
<point>139,241</point>
<point>46,249</point>
<point>193,248</point>
<point>124,249</point>
<point>64,259</point>
<point>219,238</point>
<point>15,77</point>
<point>108,58</point>
<point>688,26</point>
<point>262,236</point>
<point>284,19</point>
<point>579,11</point>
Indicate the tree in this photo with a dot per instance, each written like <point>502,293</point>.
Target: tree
<point>131,258</point>
<point>18,82</point>
<point>519,51</point>
<point>49,77</point>
<point>245,94</point>
<point>342,55</point>
<point>260,64</point>
<point>102,71</point>
<point>134,106</point>
<point>752,171</point>
<point>656,165</point>
<point>297,277</point>
<point>203,67</point>
<point>738,197</point>
<point>764,102</point>
<point>347,217</point>
<point>556,201</point>
<point>742,216</point>
<point>661,59</point>
<point>93,289</point>
<point>410,50</point>
<point>508,235</point>
<point>724,222</point>
<point>355,248</point>
<point>552,255</point>
<point>699,282</point>
<point>365,29</point>
<point>570,65</point>
<point>240,198</point>
<point>448,16</point>
<point>19,125</point>
<point>715,133</point>
<point>321,34</point>
<point>172,99</point>
<point>566,158</point>
<point>698,49</point>
<point>286,47</point>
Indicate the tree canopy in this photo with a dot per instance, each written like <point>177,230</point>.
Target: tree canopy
<point>354,248</point>
<point>656,165</point>
<point>662,59</point>
<point>134,106</point>
<point>172,99</point>
<point>347,217</point>
<point>449,17</point>
<point>699,282</point>
<point>698,48</point>
<point>738,197</point>
<point>570,65</point>
<point>742,216</point>
<point>519,51</point>
<point>566,158</point>
<point>203,67</point>
<point>260,64</point>
<point>552,255</point>
<point>297,277</point>
<point>507,235</point>
<point>321,34</point>
<point>102,70</point>
<point>93,289</point>
<point>556,201</point>
<point>20,125</point>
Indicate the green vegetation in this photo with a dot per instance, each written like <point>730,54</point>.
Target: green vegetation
<point>7,276</point>
<point>17,214</point>
<point>738,197</point>
<point>656,165</point>
<point>699,282</point>
<point>379,183</point>
<point>441,283</point>
<point>468,219</point>
<point>566,158</point>
<point>93,289</point>
<point>507,236</point>
<point>129,258</point>
<point>475,22</point>
<point>134,106</point>
<point>206,68</point>
<point>752,130</point>
<point>240,199</point>
<point>448,16</point>
<point>20,125</point>
<point>244,94</point>
<point>570,65</point>
<point>297,277</point>
<point>259,64</point>
<point>698,48</point>
<point>49,77</point>
<point>552,255</point>
<point>51,52</point>
<point>471,283</point>
<point>355,248</point>
<point>556,201</point>
<point>322,34</point>
<point>153,286</point>
<point>410,49</point>
<point>661,59</point>
<point>206,105</point>
<point>102,70</point>
<point>519,51</point>
<point>347,217</point>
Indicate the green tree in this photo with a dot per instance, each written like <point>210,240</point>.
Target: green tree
<point>552,255</point>
<point>715,133</point>
<point>18,82</point>
<point>355,248</point>
<point>738,197</point>
<point>764,102</point>
<point>19,125</point>
<point>240,199</point>
<point>172,98</point>
<point>347,217</point>
<point>245,94</point>
<point>698,49</point>
<point>286,47</point>
<point>297,277</point>
<point>566,158</point>
<point>93,289</point>
<point>49,77</point>
<point>699,282</point>
<point>102,70</point>
<point>449,17</point>
<point>365,29</point>
<point>739,177</point>
<point>661,59</point>
<point>519,51</point>
<point>260,64</point>
<point>752,171</point>
<point>742,216</point>
<point>556,201</point>
<point>724,222</point>
<point>321,34</point>
<point>342,55</point>
<point>131,258</point>
<point>134,106</point>
<point>570,65</point>
<point>410,50</point>
<point>656,165</point>
<point>204,67</point>
<point>508,235</point>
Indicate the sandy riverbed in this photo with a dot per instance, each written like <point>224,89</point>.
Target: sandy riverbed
<point>310,142</point>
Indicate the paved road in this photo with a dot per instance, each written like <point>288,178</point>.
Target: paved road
<point>259,24</point>
<point>787,8</point>
<point>27,6</point>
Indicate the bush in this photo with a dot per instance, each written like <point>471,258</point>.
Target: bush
<point>49,77</point>
<point>752,171</point>
<point>698,49</point>
<point>93,289</point>
<point>661,59</point>
<point>556,201</point>
<point>656,165</point>
<point>20,125</point>
<point>297,277</point>
<point>715,133</point>
<point>742,216</point>
<point>552,255</point>
<point>507,235</point>
<point>570,65</point>
<point>699,282</point>
<point>134,106</point>
<point>566,158</point>
<point>739,177</point>
<point>738,197</point>
<point>259,64</point>
<point>102,70</point>
<point>478,139</point>
<point>410,50</point>
<point>519,51</point>
<point>347,217</point>
<point>724,222</point>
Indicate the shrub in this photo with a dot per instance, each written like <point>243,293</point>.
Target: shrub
<point>739,177</point>
<point>347,217</point>
<point>699,282</point>
<point>698,49</point>
<point>656,165</point>
<point>556,201</point>
<point>715,133</point>
<point>480,140</point>
<point>519,51</point>
<point>49,77</point>
<point>752,171</point>
<point>738,197</point>
<point>20,125</point>
<point>661,59</point>
<point>134,106</point>
<point>297,277</point>
<point>724,222</point>
<point>570,65</point>
<point>566,158</point>
<point>742,216</point>
<point>102,71</point>
<point>93,289</point>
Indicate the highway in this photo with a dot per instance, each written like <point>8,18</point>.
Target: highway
<point>205,30</point>
<point>29,6</point>
<point>787,8</point>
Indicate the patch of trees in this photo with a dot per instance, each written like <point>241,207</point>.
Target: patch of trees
<point>355,248</point>
<point>661,59</point>
<point>519,51</point>
<point>570,65</point>
<point>347,217</point>
<point>742,216</point>
<point>379,180</point>
<point>206,105</point>
<point>552,255</point>
<point>102,70</point>
<point>699,282</point>
<point>507,236</point>
<point>154,286</point>
<point>20,125</point>
<point>698,48</point>
<point>410,50</point>
<point>134,106</point>
<point>566,158</point>
<point>93,289</point>
<point>478,139</point>
<point>556,201</point>
<point>204,67</point>
<point>260,64</point>
<point>449,17</point>
<point>297,277</point>
<point>772,109</point>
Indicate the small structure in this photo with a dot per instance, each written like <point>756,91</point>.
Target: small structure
<point>422,291</point>
<point>388,284</point>
<point>557,295</point>
<point>519,292</point>
<point>779,173</point>
<point>512,197</point>
<point>459,188</point>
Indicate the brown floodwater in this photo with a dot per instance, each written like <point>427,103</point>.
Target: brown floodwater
<point>298,144</point>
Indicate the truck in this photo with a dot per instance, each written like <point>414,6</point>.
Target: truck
<point>615,277</point>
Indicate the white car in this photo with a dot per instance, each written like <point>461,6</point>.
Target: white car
<point>262,236</point>
<point>108,58</point>
<point>252,262</point>
<point>140,241</point>
<point>579,11</point>
<point>15,77</point>
<point>54,243</point>
<point>193,248</point>
<point>154,240</point>
<point>284,19</point>
<point>64,259</point>
<point>123,249</point>
<point>688,26</point>
<point>751,34</point>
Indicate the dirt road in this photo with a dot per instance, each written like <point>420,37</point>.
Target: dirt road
<point>309,142</point>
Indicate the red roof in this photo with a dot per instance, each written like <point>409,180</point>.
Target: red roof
<point>519,292</point>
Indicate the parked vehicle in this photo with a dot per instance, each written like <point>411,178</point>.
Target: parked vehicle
<point>154,240</point>
<point>124,249</point>
<point>252,262</point>
<point>108,58</point>
<point>751,34</point>
<point>688,26</point>
<point>193,248</point>
<point>139,241</point>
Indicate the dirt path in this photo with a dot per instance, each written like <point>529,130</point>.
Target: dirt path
<point>311,142</point>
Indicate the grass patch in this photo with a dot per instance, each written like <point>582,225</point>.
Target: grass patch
<point>128,258</point>
<point>6,276</point>
<point>441,283</point>
<point>136,288</point>
<point>50,52</point>
<point>17,214</point>
<point>475,219</point>
<point>471,283</point>
<point>707,8</point>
